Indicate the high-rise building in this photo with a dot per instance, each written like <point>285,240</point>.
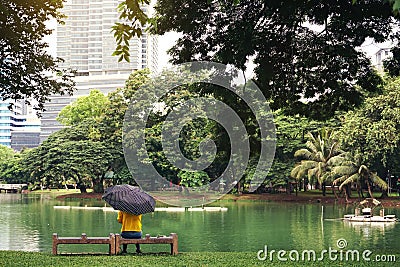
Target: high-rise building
<point>19,127</point>
<point>6,123</point>
<point>86,43</point>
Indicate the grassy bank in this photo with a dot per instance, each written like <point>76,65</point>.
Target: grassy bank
<point>33,259</point>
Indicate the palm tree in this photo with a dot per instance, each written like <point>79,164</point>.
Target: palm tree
<point>322,153</point>
<point>352,170</point>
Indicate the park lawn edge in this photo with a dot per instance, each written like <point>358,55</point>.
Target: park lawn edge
<point>32,259</point>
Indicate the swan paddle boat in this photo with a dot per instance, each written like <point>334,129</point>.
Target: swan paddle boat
<point>364,212</point>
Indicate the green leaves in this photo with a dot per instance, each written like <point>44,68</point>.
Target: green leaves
<point>314,70</point>
<point>11,167</point>
<point>85,107</point>
<point>24,64</point>
<point>6,153</point>
<point>320,156</point>
<point>91,147</point>
<point>373,130</point>
<point>352,170</point>
<point>133,21</point>
<point>193,179</point>
<point>69,154</point>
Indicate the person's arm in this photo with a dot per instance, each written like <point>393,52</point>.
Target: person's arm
<point>119,218</point>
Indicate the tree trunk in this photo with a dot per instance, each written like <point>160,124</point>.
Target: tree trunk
<point>359,192</point>
<point>369,190</point>
<point>334,191</point>
<point>346,193</point>
<point>98,186</point>
<point>347,190</point>
<point>323,188</point>
<point>81,187</point>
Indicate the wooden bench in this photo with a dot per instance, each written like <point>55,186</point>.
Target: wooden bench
<point>171,239</point>
<point>110,240</point>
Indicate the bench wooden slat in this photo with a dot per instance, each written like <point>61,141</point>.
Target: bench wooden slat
<point>84,240</point>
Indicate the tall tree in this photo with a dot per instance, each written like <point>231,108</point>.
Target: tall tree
<point>192,134</point>
<point>26,69</point>
<point>69,153</point>
<point>86,107</point>
<point>6,153</point>
<point>291,133</point>
<point>352,171</point>
<point>11,170</point>
<point>322,153</point>
<point>374,130</point>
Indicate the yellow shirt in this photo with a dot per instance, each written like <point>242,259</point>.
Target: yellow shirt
<point>130,222</point>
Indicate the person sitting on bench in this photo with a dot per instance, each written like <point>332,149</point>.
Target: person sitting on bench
<point>131,228</point>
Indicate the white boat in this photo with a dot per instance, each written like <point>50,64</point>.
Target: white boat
<point>207,209</point>
<point>364,213</point>
<point>170,209</point>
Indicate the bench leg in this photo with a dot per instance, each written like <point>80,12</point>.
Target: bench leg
<point>117,244</point>
<point>55,243</point>
<point>54,249</point>
<point>174,245</point>
<point>112,246</point>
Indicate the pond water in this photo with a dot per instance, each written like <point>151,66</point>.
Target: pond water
<point>27,223</point>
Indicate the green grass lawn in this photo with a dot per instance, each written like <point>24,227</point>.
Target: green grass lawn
<point>32,259</point>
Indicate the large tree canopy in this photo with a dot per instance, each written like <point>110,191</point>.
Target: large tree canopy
<point>6,153</point>
<point>302,49</point>
<point>26,70</point>
<point>374,130</point>
<point>85,107</point>
<point>70,154</point>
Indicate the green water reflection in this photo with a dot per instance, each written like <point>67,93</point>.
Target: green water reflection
<point>28,221</point>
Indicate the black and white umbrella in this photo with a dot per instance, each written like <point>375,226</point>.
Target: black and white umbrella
<point>130,199</point>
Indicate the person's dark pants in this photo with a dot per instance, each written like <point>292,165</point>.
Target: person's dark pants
<point>131,235</point>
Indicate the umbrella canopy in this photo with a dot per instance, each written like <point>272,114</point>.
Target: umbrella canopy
<point>130,199</point>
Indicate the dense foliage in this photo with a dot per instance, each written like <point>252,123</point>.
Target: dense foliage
<point>89,152</point>
<point>11,170</point>
<point>322,152</point>
<point>91,106</point>
<point>292,134</point>
<point>373,130</point>
<point>301,49</point>
<point>26,70</point>
<point>69,156</point>
<point>370,135</point>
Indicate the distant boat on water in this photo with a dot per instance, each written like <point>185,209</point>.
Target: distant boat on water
<point>364,212</point>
